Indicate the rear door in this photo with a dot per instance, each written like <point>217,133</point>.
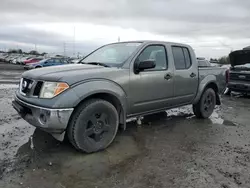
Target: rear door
<point>186,75</point>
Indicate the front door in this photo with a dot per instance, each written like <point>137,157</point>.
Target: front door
<point>153,88</point>
<point>186,75</point>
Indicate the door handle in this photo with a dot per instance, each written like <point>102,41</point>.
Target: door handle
<point>167,77</point>
<point>192,75</point>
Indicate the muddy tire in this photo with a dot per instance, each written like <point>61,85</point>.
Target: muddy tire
<point>205,107</point>
<point>93,126</point>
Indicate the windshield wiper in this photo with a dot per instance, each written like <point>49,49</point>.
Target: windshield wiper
<point>97,63</point>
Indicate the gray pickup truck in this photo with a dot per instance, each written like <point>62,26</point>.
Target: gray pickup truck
<point>89,101</point>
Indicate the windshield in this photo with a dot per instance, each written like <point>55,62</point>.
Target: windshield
<point>112,54</point>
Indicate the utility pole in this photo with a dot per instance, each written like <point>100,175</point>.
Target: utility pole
<point>74,47</point>
<point>64,48</point>
<point>119,39</point>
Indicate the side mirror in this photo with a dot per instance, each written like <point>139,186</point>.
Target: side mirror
<point>143,65</point>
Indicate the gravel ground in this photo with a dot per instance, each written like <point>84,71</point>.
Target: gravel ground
<point>10,73</point>
<point>172,149</point>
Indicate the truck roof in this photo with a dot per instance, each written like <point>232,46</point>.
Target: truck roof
<point>154,41</point>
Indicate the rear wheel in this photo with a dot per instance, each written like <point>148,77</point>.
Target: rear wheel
<point>205,107</point>
<point>93,126</point>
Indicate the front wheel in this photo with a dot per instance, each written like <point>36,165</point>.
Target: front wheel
<point>205,107</point>
<point>93,126</point>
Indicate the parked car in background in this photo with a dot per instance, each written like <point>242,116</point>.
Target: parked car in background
<point>14,59</point>
<point>46,63</point>
<point>32,60</point>
<point>3,56</point>
<point>239,75</point>
<point>8,58</point>
<point>75,60</point>
<point>89,101</point>
<point>24,59</point>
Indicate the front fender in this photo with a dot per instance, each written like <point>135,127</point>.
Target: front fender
<point>91,87</point>
<point>210,79</point>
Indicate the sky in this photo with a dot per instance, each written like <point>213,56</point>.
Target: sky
<point>212,27</point>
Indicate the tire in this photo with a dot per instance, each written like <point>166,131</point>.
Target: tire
<point>205,107</point>
<point>38,67</point>
<point>93,126</point>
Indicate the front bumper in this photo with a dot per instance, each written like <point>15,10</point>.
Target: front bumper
<point>239,86</point>
<point>54,121</point>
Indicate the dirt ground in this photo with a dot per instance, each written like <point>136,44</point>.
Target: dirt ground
<point>172,149</point>
<point>10,73</point>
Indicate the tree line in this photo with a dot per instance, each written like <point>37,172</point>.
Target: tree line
<point>20,51</point>
<point>222,60</point>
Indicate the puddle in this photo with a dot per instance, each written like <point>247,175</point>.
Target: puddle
<point>217,119</point>
<point>13,136</point>
<point>183,111</point>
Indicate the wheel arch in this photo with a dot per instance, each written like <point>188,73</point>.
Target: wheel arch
<point>108,91</point>
<point>111,99</point>
<point>203,86</point>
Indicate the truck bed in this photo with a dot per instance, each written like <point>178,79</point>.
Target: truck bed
<point>218,72</point>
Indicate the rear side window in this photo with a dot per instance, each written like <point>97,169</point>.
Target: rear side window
<point>182,58</point>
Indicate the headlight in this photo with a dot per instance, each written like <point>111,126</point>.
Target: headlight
<point>52,89</point>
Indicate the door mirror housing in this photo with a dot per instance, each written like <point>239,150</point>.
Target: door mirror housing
<point>143,65</point>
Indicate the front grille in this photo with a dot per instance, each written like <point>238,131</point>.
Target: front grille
<point>26,85</point>
<point>30,87</point>
<point>238,76</point>
<point>37,89</point>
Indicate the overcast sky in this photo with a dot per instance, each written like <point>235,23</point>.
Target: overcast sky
<point>212,27</point>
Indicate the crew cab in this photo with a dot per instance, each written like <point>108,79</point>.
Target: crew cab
<point>91,100</point>
<point>239,76</point>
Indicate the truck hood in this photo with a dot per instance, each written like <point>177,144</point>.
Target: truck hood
<point>69,73</point>
<point>239,57</point>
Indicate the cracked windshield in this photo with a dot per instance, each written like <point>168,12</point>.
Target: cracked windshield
<point>124,94</point>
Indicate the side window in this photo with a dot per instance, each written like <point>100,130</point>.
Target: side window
<point>182,58</point>
<point>179,59</point>
<point>50,61</point>
<point>187,58</point>
<point>57,61</point>
<point>156,53</point>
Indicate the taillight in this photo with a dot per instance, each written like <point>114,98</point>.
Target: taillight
<point>227,75</point>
